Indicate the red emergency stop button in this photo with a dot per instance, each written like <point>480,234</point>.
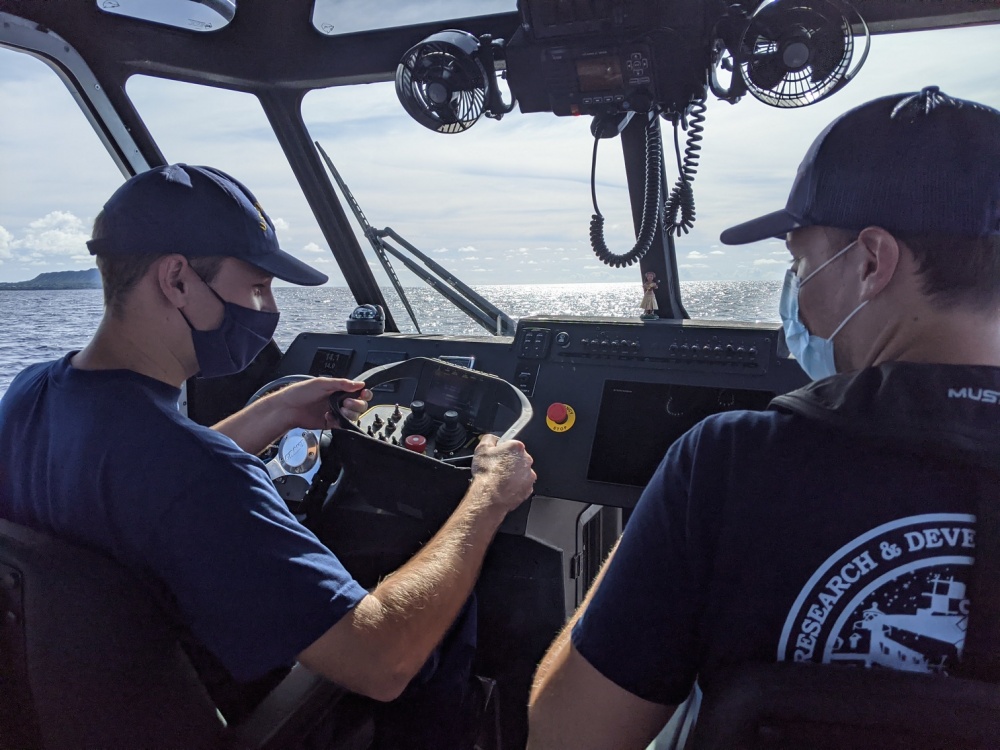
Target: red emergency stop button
<point>416,443</point>
<point>560,417</point>
<point>557,413</point>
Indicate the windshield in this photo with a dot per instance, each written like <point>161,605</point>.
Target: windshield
<point>503,205</point>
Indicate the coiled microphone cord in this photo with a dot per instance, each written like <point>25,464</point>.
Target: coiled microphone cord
<point>650,207</point>
<point>679,213</point>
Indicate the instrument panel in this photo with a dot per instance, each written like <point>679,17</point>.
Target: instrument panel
<point>609,395</point>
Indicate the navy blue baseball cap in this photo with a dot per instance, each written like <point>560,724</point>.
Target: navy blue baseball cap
<point>195,211</point>
<point>921,162</point>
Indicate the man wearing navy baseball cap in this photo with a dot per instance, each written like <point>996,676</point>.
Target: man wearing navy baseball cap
<point>93,449</point>
<point>840,525</point>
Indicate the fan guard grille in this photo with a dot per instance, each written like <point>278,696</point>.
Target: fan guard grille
<point>441,86</point>
<point>795,54</point>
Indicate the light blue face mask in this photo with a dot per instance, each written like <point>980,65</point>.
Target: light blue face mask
<point>813,353</point>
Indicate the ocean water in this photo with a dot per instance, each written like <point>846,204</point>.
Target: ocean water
<point>38,326</point>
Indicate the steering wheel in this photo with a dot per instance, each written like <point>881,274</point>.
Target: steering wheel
<point>294,460</point>
<point>452,406</point>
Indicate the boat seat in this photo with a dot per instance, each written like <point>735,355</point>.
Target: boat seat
<point>89,660</point>
<point>837,707</point>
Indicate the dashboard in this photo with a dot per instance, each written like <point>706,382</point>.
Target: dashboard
<point>609,394</point>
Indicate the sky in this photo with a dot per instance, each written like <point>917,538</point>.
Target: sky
<point>504,203</point>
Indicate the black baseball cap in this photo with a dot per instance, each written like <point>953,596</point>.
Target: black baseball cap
<point>196,211</point>
<point>918,162</point>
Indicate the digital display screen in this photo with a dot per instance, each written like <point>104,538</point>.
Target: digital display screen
<point>331,363</point>
<point>454,389</point>
<point>472,395</point>
<point>379,358</point>
<point>637,422</point>
<point>600,73</point>
<point>461,361</point>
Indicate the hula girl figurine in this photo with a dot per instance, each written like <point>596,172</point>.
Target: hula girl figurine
<point>648,303</point>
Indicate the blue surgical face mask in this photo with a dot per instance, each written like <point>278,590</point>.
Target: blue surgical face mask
<point>237,341</point>
<point>814,353</point>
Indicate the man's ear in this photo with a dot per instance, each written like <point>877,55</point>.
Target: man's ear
<point>172,278</point>
<point>880,262</point>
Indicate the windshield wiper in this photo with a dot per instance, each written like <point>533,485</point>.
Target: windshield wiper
<point>439,278</point>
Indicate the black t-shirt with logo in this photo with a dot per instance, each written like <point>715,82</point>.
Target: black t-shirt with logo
<point>838,528</point>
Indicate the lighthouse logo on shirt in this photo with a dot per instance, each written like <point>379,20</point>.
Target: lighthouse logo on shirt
<point>894,597</point>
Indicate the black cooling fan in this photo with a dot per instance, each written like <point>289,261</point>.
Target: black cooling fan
<point>797,52</point>
<point>443,83</point>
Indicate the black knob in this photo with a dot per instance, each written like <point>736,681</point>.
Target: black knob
<point>450,435</point>
<point>418,422</point>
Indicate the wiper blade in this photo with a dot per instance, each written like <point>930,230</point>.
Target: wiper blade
<point>477,307</point>
<point>371,234</point>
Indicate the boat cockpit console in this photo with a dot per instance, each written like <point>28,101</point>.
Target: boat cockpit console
<point>597,400</point>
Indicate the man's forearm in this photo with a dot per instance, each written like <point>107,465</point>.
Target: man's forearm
<point>387,638</point>
<point>421,599</point>
<point>561,643</point>
<point>254,427</point>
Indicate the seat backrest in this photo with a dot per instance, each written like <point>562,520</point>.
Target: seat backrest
<point>834,707</point>
<point>88,658</point>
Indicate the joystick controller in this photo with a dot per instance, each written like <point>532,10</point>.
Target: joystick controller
<point>418,421</point>
<point>450,435</point>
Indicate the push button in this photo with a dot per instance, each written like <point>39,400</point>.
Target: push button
<point>560,417</point>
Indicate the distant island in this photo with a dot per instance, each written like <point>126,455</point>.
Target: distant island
<point>89,279</point>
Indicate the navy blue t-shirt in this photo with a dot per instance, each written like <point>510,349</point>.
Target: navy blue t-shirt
<point>105,459</point>
<point>766,536</point>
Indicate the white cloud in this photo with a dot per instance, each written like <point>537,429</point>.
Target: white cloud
<point>695,255</point>
<point>56,233</point>
<point>467,249</point>
<point>768,262</point>
<point>718,252</point>
<point>280,224</point>
<point>312,247</point>
<point>693,265</point>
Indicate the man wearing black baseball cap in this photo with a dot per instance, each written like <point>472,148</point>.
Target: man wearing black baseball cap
<point>93,449</point>
<point>839,526</point>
